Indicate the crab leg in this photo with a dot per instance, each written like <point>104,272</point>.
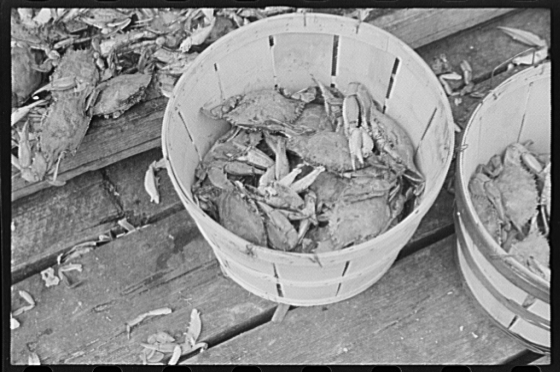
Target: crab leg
<point>306,181</point>
<point>288,179</point>
<point>20,112</point>
<point>278,146</point>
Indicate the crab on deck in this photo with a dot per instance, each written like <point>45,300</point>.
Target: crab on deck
<point>25,79</point>
<point>65,124</point>
<point>120,93</point>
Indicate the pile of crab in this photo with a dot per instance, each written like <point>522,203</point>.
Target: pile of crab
<point>511,195</point>
<point>312,171</point>
<point>70,64</point>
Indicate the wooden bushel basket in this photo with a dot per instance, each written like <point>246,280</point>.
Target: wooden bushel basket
<point>285,51</point>
<point>515,298</point>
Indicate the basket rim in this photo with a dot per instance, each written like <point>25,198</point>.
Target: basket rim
<point>307,17</point>
<point>485,243</point>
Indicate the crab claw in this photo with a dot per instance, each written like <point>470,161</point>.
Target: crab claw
<point>350,113</point>
<point>367,143</point>
<point>355,146</point>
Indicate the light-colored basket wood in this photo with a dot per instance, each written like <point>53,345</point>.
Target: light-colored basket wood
<point>517,299</point>
<point>285,51</point>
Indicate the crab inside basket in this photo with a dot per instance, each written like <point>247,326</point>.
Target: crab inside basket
<point>287,52</point>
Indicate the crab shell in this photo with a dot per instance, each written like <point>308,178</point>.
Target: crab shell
<point>68,117</point>
<point>331,188</point>
<point>257,107</point>
<point>535,245</point>
<point>353,223</point>
<point>280,232</point>
<point>315,117</point>
<point>329,149</point>
<point>121,93</point>
<point>485,209</point>
<point>25,79</point>
<point>397,136</point>
<point>518,188</point>
<point>241,217</point>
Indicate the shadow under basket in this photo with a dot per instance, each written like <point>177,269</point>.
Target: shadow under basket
<point>285,52</point>
<point>514,297</point>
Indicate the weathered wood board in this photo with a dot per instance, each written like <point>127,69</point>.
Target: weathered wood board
<point>168,264</point>
<point>48,222</point>
<point>127,177</point>
<point>409,317</point>
<point>485,47</point>
<point>138,130</point>
<point>89,205</point>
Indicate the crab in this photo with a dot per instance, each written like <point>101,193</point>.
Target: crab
<point>120,93</point>
<point>25,79</point>
<point>280,232</point>
<point>518,188</point>
<point>485,208</point>
<point>392,141</point>
<point>262,109</point>
<point>284,193</point>
<point>108,20</point>
<point>172,62</point>
<point>314,117</point>
<point>331,188</point>
<point>281,165</point>
<point>356,222</point>
<point>240,216</point>
<point>545,197</point>
<point>329,149</point>
<point>332,100</point>
<point>67,118</point>
<point>234,153</point>
<point>533,251</point>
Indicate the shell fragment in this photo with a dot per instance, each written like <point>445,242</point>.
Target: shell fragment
<point>150,183</point>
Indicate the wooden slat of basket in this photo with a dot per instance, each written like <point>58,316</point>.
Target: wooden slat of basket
<point>138,130</point>
<point>390,323</point>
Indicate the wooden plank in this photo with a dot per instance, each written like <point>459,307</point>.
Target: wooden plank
<point>168,264</point>
<point>418,26</point>
<point>138,130</point>
<point>418,313</point>
<point>60,217</point>
<point>127,176</point>
<point>486,47</point>
<point>108,265</point>
<point>96,200</point>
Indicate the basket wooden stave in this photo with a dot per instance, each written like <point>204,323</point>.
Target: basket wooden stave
<point>515,298</point>
<point>286,51</point>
